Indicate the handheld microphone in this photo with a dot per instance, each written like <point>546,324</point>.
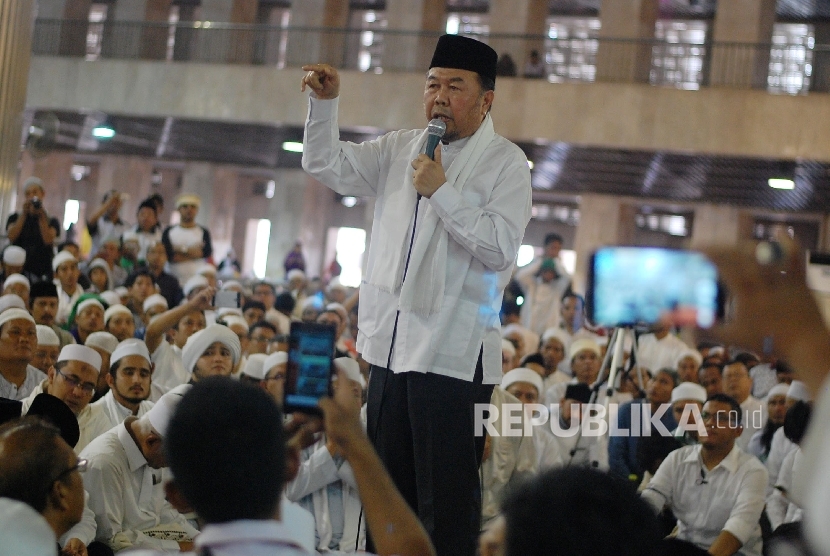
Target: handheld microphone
<point>435,131</point>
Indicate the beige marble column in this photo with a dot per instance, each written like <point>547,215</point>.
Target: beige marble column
<point>518,17</point>
<point>130,175</point>
<point>747,25</point>
<point>413,52</point>
<point>285,211</point>
<point>73,32</point>
<point>16,19</point>
<point>631,23</point>
<point>154,36</point>
<point>313,43</point>
<point>720,225</point>
<point>123,29</point>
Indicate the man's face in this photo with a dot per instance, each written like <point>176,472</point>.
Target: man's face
<point>18,340</point>
<point>310,314</point>
<point>156,256</point>
<point>44,310</point>
<point>552,249</point>
<point>659,389</point>
<point>152,311</point>
<point>712,380</point>
<point>721,422</point>
<point>142,288</point>
<point>9,269</point>
<point>332,319</point>
<point>259,339</point>
<point>275,382</point>
<point>188,325</point>
<point>784,375</point>
<point>687,369</point>
<point>585,366</point>
<point>524,391</point>
<point>217,360</point>
<point>122,326</point>
<point>253,315</point>
<point>132,380</point>
<point>19,290</point>
<point>74,384</point>
<point>455,96</point>
<point>146,219</point>
<point>110,252</point>
<point>553,353</point>
<point>570,308</point>
<point>68,274</point>
<point>264,295</point>
<point>777,408</point>
<point>91,319</point>
<point>737,382</point>
<point>507,362</point>
<point>45,357</point>
<point>188,213</point>
<point>34,191</point>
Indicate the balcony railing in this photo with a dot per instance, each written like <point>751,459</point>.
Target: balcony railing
<point>779,68</point>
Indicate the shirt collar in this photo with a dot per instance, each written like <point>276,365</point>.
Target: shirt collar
<point>265,531</point>
<point>730,462</point>
<point>134,456</point>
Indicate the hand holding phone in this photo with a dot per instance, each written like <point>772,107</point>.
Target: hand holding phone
<point>310,366</point>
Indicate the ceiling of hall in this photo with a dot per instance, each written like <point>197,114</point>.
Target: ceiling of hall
<point>559,168</point>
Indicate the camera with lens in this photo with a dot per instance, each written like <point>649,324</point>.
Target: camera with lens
<point>37,203</point>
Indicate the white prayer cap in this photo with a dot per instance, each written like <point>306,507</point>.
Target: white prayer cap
<point>798,391</point>
<point>153,300</point>
<point>195,281</point>
<point>295,273</point>
<point>88,303</point>
<point>199,342</point>
<point>583,344</point>
<point>229,284</point>
<point>340,310</point>
<point>206,268</point>
<point>11,301</point>
<point>14,255</point>
<point>102,340</point>
<point>24,531</point>
<point>121,291</point>
<point>779,389</point>
<point>115,310</point>
<point>84,354</point>
<point>507,346</point>
<point>160,414</point>
<point>693,353</point>
<point>130,346</point>
<point>46,336</point>
<point>229,311</point>
<point>716,350</point>
<point>522,375</point>
<point>62,257</point>
<point>688,391</point>
<point>254,366</point>
<point>334,284</point>
<point>32,181</point>
<point>110,297</point>
<point>98,263</point>
<point>557,333</point>
<point>16,279</point>
<point>14,313</point>
<point>276,358</point>
<point>511,328</point>
<point>351,368</point>
<point>188,199</point>
<point>231,320</point>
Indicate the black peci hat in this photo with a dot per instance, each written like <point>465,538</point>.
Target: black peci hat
<point>455,51</point>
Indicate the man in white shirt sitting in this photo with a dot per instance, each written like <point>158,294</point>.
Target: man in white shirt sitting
<point>715,489</point>
<point>18,340</point>
<point>660,349</point>
<point>65,266</point>
<point>738,384</point>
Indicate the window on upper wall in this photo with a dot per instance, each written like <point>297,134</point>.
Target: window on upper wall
<point>365,46</point>
<point>571,48</point>
<point>791,58</point>
<point>95,30</point>
<point>472,25</point>
<point>677,58</point>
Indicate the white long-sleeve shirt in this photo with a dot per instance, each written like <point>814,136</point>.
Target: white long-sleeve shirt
<point>729,497</point>
<point>127,495</point>
<point>113,413</point>
<point>540,309</point>
<point>485,221</point>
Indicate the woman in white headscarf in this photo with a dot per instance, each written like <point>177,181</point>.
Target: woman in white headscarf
<point>210,352</point>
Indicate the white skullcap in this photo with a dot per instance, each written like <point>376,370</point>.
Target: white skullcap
<point>153,300</point>
<point>229,311</point>
<point>46,336</point>
<point>557,333</point>
<point>510,329</point>
<point>206,268</point>
<point>582,344</point>
<point>121,291</point>
<point>14,313</point>
<point>188,199</point>
<point>115,310</point>
<point>84,354</point>
<point>334,284</point>
<point>688,391</point>
<point>62,257</point>
<point>110,297</point>
<point>228,284</point>
<point>295,273</point>
<point>340,310</point>
<point>24,531</point>
<point>87,303</point>
<point>779,389</point>
<point>98,263</point>
<point>160,414</point>
<point>254,366</point>
<point>351,368</point>
<point>102,340</point>
<point>11,301</point>
<point>17,279</point>
<point>693,353</point>
<point>716,350</point>
<point>199,342</point>
<point>231,320</point>
<point>798,391</point>
<point>522,375</point>
<point>507,345</point>
<point>32,181</point>
<point>276,358</point>
<point>195,281</point>
<point>14,255</point>
<point>130,346</point>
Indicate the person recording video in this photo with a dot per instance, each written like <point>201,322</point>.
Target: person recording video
<point>35,232</point>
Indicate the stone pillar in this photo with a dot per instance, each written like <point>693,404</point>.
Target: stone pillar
<point>413,52</point>
<point>321,37</point>
<point>16,20</point>
<point>73,32</point>
<point>155,32</point>
<point>318,201</point>
<point>603,220</point>
<point>518,17</point>
<point>720,225</point>
<point>744,29</point>
<point>631,23</point>
<point>286,214</point>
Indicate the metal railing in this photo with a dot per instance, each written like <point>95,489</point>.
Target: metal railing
<point>779,68</point>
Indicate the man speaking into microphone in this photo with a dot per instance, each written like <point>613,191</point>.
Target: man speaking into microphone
<point>447,227</point>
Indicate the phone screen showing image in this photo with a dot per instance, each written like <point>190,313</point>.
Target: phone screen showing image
<point>309,369</point>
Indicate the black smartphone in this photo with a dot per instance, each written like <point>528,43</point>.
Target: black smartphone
<point>227,299</point>
<point>310,366</point>
<point>631,286</point>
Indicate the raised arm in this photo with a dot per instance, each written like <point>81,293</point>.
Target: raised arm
<point>168,319</point>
